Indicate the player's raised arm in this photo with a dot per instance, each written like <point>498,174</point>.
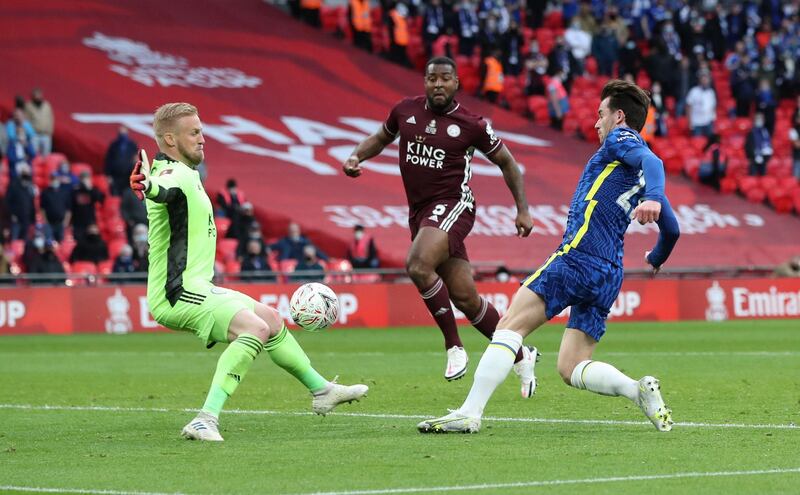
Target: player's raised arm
<point>161,189</point>
<point>668,235</point>
<point>366,149</point>
<point>508,166</point>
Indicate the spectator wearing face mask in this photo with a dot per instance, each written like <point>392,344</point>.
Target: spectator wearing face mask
<point>133,211</point>
<point>42,259</point>
<point>55,202</point>
<point>19,151</point>
<point>254,260</point>
<point>119,161</point>
<point>140,247</point>
<point>362,252</point>
<point>309,266</point>
<point>758,147</point>
<point>253,233</point>
<point>123,263</point>
<point>90,246</point>
<point>84,199</point>
<point>40,115</point>
<point>20,202</point>
<point>702,107</point>
<point>293,244</point>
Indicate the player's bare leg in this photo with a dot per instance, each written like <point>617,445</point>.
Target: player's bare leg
<point>578,369</point>
<point>284,351</point>
<point>457,276</point>
<point>430,249</point>
<point>526,313</point>
<point>247,334</point>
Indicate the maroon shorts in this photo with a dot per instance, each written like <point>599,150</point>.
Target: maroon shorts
<point>451,215</point>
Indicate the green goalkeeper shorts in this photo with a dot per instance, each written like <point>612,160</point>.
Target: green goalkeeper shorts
<point>207,311</point>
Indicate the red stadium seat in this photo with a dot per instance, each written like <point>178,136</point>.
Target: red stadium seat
<point>727,185</point>
<point>105,267</point>
<point>17,249</point>
<point>226,249</point>
<point>79,168</point>
<point>756,195</point>
<point>223,224</point>
<point>339,265</point>
<point>84,268</point>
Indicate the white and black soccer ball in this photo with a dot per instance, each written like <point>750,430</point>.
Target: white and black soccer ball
<point>314,307</point>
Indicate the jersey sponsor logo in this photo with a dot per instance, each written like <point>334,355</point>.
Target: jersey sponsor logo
<point>411,120</point>
<point>431,127</point>
<point>424,155</point>
<point>626,135</point>
<point>453,130</point>
<point>492,136</point>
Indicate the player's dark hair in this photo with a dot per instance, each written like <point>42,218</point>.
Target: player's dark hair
<point>441,61</point>
<point>630,98</point>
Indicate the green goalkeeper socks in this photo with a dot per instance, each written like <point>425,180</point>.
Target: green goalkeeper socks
<point>284,351</point>
<point>232,366</point>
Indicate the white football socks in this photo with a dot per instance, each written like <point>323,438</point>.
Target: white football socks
<point>604,379</point>
<point>492,369</point>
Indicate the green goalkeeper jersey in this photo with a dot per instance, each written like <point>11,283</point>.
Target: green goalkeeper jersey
<point>182,235</point>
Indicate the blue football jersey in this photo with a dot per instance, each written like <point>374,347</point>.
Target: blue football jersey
<point>608,191</point>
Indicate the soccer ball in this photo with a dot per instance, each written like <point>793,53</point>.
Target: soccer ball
<point>314,307</point>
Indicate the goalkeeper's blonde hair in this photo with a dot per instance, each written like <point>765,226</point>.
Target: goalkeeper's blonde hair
<point>166,116</point>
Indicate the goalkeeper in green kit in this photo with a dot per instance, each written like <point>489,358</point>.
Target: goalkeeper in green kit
<point>180,294</point>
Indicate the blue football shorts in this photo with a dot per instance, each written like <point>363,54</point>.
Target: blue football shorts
<point>588,284</point>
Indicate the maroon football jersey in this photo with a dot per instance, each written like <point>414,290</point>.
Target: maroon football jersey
<point>436,150</point>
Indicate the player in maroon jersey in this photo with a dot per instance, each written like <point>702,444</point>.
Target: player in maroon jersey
<point>437,140</point>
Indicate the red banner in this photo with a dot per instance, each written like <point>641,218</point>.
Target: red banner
<point>124,309</point>
<point>283,105</point>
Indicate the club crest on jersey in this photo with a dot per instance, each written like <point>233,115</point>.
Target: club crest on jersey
<point>411,120</point>
<point>453,130</point>
<point>431,127</point>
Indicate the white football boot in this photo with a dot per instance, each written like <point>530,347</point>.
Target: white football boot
<point>525,370</point>
<point>455,422</point>
<point>457,361</point>
<point>652,405</point>
<point>203,427</point>
<point>325,401</point>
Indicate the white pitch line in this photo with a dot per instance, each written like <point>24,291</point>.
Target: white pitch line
<point>526,484</point>
<point>755,426</point>
<point>38,489</point>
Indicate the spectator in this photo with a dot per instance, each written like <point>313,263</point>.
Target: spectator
<point>293,244</point>
<point>358,15</point>
<point>743,86</point>
<point>253,233</point>
<point>660,105</point>
<point>19,151</point>
<point>90,246</point>
<point>119,161</point>
<point>124,263</point>
<point>244,224</point>
<point>133,212</point>
<point>492,76</point>
<point>790,268</point>
<point>140,247</point>
<point>56,202</point>
<point>42,259</point>
<point>468,28</point>
<point>362,252</point>
<point>309,11</point>
<point>559,60</point>
<point>605,49</point>
<point>512,42</point>
<point>40,115</point>
<point>20,202</point>
<point>630,60</point>
<point>758,147</point>
<point>69,181</point>
<point>18,119</point>
<point>84,200</point>
<point>557,101</point>
<point>254,260</point>
<point>536,70</point>
<point>579,42</point>
<point>702,104</point>
<point>433,23</point>
<point>794,137</point>
<point>230,201</point>
<point>309,266</point>
<point>397,24</point>
<point>534,12</point>
<point>618,26</point>
<point>714,163</point>
<point>766,104</point>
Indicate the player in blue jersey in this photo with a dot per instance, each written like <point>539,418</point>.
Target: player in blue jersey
<point>622,181</point>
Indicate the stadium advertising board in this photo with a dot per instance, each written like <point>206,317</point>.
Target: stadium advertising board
<point>121,310</point>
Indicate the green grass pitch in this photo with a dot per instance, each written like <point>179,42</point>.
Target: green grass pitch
<point>118,404</point>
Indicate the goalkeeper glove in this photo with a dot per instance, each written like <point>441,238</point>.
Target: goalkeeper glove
<point>140,176</point>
